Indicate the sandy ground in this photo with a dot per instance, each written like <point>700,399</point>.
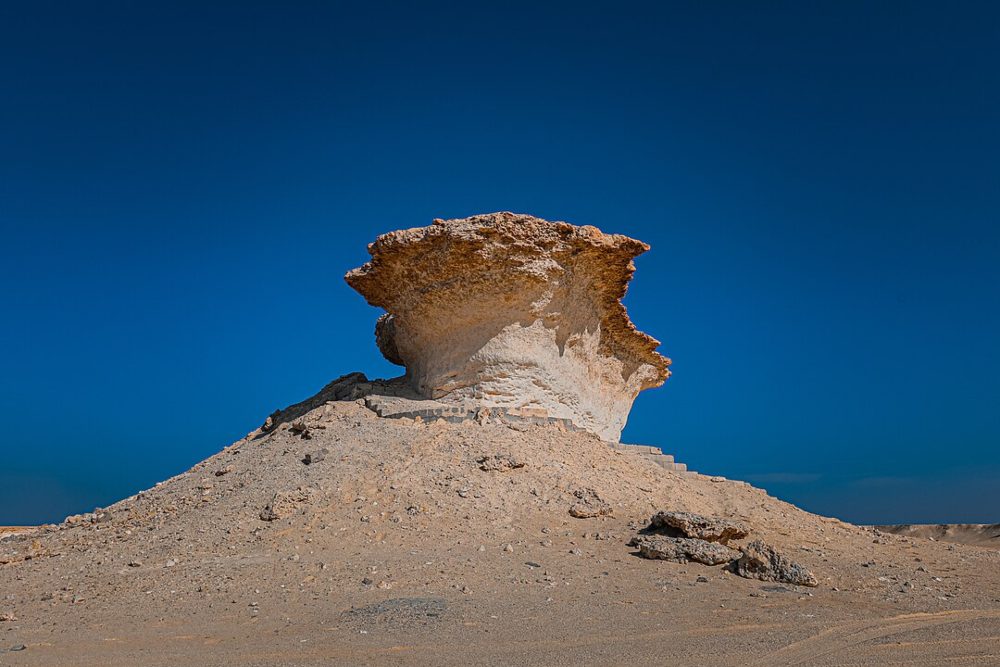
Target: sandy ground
<point>982,534</point>
<point>394,546</point>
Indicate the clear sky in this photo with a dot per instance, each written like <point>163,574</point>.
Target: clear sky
<point>183,186</point>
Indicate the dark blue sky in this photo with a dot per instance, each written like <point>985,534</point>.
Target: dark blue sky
<point>183,186</point>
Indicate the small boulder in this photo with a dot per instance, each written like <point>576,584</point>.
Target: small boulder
<point>761,561</point>
<point>285,503</point>
<point>315,457</point>
<point>499,463</point>
<point>300,429</point>
<point>588,505</point>
<point>683,549</point>
<point>710,529</point>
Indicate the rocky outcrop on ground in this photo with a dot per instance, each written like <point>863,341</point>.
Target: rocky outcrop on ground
<point>710,529</point>
<point>683,549</point>
<point>762,561</point>
<point>588,505</point>
<point>514,312</point>
<point>686,536</point>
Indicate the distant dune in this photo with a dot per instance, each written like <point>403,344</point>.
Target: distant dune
<point>983,534</point>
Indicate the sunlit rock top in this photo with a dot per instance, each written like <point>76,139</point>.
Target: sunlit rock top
<point>512,311</point>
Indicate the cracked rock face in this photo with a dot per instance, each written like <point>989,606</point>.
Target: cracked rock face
<point>683,549</point>
<point>511,311</point>
<point>762,561</point>
<point>710,529</point>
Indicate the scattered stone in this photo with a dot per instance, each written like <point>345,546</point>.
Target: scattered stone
<point>500,463</point>
<point>285,503</point>
<point>702,579</point>
<point>763,562</point>
<point>224,471</point>
<point>683,549</point>
<point>576,552</point>
<point>171,562</point>
<point>18,647</point>
<point>588,505</point>
<point>710,529</point>
<point>7,617</point>
<point>135,563</point>
<point>509,548</point>
<point>367,581</point>
<point>315,457</point>
<point>300,429</point>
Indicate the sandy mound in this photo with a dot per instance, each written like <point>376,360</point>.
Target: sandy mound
<point>341,537</point>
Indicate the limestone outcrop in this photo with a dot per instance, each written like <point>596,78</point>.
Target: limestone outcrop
<point>764,562</point>
<point>708,528</point>
<point>514,312</point>
<point>683,549</point>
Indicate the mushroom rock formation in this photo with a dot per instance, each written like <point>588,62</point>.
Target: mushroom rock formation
<point>513,312</point>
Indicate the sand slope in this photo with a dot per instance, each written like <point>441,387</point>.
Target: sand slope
<point>394,546</point>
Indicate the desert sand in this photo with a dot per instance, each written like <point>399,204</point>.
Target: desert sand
<point>982,534</point>
<point>394,546</point>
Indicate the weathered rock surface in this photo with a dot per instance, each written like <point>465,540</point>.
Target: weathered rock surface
<point>683,549</point>
<point>588,505</point>
<point>711,529</point>
<point>761,561</point>
<point>515,312</point>
<point>352,385</point>
<point>500,462</point>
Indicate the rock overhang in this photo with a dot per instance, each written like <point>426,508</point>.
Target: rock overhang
<point>513,311</point>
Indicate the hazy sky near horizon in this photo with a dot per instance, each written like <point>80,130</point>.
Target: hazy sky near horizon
<point>183,186</point>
